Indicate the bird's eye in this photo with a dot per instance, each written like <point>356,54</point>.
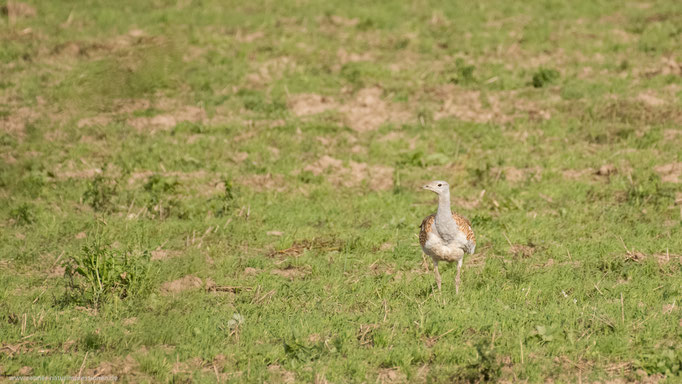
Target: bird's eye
<point>440,185</point>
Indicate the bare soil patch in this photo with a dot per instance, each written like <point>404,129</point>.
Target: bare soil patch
<point>343,21</point>
<point>179,175</point>
<point>497,107</point>
<point>651,98</point>
<point>667,257</point>
<point>281,375</point>
<point>607,170</point>
<point>263,183</point>
<point>670,173</point>
<point>15,124</point>
<point>270,70</point>
<point>169,120</point>
<point>118,367</point>
<point>672,134</point>
<point>602,173</point>
<point>391,375</point>
<point>15,10</point>
<point>298,247</point>
<point>365,111</point>
<point>163,254</point>
<point>351,57</point>
<point>180,285</point>
<point>636,112</point>
<point>99,120</point>
<point>353,174</point>
<point>310,104</point>
<point>522,250</point>
<point>666,66</point>
<point>243,37</point>
<point>515,175</point>
<point>290,273</point>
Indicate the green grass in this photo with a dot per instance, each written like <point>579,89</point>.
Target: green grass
<point>198,190</point>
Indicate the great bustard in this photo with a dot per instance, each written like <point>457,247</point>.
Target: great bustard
<point>446,236</point>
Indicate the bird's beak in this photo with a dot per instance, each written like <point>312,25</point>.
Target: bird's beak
<point>426,187</point>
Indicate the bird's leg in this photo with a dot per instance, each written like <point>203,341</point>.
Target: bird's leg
<point>435,271</point>
<point>457,279</point>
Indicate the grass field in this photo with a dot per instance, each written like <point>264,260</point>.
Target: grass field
<point>208,190</point>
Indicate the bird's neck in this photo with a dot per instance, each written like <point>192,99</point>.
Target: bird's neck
<point>445,224</point>
<point>444,211</point>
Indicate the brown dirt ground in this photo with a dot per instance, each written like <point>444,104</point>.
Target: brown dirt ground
<point>516,175</point>
<point>498,107</point>
<point>180,285</point>
<point>168,120</point>
<point>363,111</point>
<point>310,104</point>
<point>379,177</point>
<point>290,273</point>
<point>118,367</point>
<point>670,173</point>
<point>262,183</point>
<point>391,375</point>
<point>281,375</point>
<point>367,111</point>
<point>15,10</point>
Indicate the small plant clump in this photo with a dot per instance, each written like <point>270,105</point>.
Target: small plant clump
<point>160,200</point>
<point>100,193</point>
<point>99,272</point>
<point>226,199</point>
<point>23,214</point>
<point>485,368</point>
<point>544,77</point>
<point>464,73</point>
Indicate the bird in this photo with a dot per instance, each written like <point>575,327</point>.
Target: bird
<point>446,236</point>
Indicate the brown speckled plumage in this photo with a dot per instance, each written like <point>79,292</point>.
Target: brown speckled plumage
<point>462,222</point>
<point>425,228</point>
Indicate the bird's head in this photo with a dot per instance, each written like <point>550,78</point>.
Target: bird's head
<point>439,187</point>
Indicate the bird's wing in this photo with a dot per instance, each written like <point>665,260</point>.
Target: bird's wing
<point>425,228</point>
<point>464,225</point>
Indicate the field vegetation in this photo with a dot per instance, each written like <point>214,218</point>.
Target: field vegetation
<point>203,190</point>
